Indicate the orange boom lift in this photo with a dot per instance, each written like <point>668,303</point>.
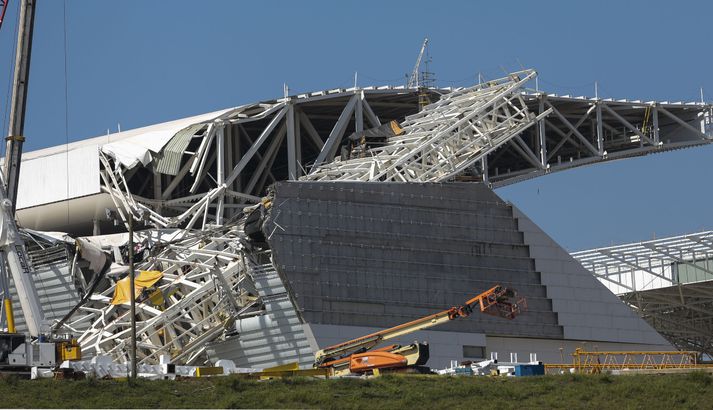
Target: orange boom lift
<point>360,355</point>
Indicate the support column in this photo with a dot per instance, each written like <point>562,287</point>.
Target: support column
<point>291,143</point>
<point>656,124</point>
<point>542,137</point>
<point>600,131</point>
<point>298,145</point>
<point>359,113</point>
<point>229,162</point>
<point>157,187</point>
<point>220,172</point>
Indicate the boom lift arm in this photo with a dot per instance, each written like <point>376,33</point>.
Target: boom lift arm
<point>496,301</point>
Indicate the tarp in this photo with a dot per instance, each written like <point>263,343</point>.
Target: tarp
<point>92,254</point>
<point>143,280</point>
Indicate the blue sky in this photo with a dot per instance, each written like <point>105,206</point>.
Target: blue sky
<point>139,62</point>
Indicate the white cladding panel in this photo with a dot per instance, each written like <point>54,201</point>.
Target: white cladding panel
<point>59,176</point>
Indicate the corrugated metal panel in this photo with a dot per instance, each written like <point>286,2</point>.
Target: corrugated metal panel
<point>272,339</point>
<point>168,161</point>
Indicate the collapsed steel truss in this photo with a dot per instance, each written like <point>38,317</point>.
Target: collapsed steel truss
<point>498,132</point>
<point>205,286</point>
<point>445,138</point>
<point>203,178</point>
<point>668,281</point>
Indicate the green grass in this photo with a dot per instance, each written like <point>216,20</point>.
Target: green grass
<point>693,390</point>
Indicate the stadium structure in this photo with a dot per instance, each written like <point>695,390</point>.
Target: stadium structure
<point>668,281</point>
<point>273,228</point>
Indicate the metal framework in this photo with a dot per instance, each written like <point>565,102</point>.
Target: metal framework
<point>498,132</point>
<point>598,362</point>
<point>581,131</point>
<point>205,286</point>
<point>668,281</point>
<point>445,138</point>
<point>201,181</point>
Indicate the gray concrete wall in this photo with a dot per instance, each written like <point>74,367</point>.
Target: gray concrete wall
<point>585,308</point>
<point>380,254</point>
<point>360,257</point>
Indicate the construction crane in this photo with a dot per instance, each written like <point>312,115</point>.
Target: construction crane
<point>360,355</point>
<point>12,248</point>
<point>15,138</point>
<point>16,351</point>
<point>413,81</point>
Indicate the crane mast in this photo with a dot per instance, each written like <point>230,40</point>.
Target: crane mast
<point>15,138</point>
<point>13,254</point>
<point>413,81</point>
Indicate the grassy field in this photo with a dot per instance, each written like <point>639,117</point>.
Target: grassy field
<point>571,391</point>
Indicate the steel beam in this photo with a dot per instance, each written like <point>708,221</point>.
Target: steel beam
<point>335,137</point>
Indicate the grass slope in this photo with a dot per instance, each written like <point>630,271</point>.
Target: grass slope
<point>571,391</point>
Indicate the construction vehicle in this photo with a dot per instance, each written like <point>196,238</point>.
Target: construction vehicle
<point>361,355</point>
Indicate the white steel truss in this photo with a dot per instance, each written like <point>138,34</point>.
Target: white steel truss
<point>497,132</point>
<point>200,182</point>
<point>445,138</point>
<point>204,287</point>
<point>668,281</point>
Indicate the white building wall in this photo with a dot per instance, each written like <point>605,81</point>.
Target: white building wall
<point>59,176</point>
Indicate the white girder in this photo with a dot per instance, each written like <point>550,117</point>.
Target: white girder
<point>205,286</point>
<point>483,132</point>
<point>650,264</point>
<point>667,281</point>
<point>445,138</point>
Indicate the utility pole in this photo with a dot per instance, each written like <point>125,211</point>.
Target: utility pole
<point>15,138</point>
<point>132,280</point>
